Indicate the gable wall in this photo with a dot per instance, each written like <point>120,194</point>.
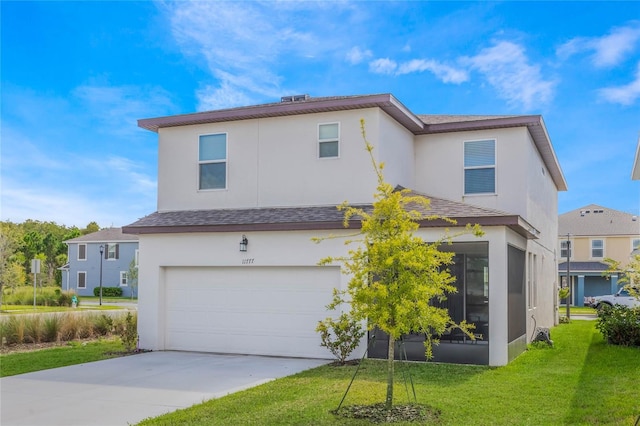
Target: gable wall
<point>274,162</point>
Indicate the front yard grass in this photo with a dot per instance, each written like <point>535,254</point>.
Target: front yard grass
<point>581,381</point>
<point>70,354</point>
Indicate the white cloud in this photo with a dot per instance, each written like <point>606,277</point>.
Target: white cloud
<point>243,44</point>
<point>608,50</point>
<point>507,69</point>
<point>444,72</point>
<point>356,55</point>
<point>118,108</point>
<point>624,95</point>
<point>383,66</point>
<point>225,96</point>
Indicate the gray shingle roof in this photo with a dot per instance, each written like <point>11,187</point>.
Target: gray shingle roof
<point>309,217</point>
<point>583,267</point>
<point>595,220</point>
<point>104,235</point>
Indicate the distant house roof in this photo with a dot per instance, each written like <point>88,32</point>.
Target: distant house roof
<point>595,220</point>
<point>583,267</point>
<point>417,124</point>
<point>106,235</point>
<point>311,218</point>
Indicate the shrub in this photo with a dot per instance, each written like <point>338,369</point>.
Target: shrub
<point>108,291</point>
<point>45,296</point>
<point>340,336</point>
<point>128,331</point>
<point>103,325</point>
<point>620,325</point>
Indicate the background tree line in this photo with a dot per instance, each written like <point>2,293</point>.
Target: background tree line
<point>32,239</point>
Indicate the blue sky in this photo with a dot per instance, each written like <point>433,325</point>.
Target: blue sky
<point>75,77</point>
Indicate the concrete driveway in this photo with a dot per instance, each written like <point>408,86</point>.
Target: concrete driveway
<point>127,390</point>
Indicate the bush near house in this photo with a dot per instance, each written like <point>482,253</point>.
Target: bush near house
<point>108,292</point>
<point>45,296</point>
<point>620,325</point>
<point>21,329</point>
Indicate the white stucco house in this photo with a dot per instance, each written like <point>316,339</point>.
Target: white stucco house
<point>227,263</point>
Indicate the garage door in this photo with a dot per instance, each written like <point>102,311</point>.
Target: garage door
<point>249,310</point>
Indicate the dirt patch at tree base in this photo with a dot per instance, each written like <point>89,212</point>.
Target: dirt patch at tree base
<point>377,413</point>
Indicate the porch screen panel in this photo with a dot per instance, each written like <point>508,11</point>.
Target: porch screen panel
<point>517,309</point>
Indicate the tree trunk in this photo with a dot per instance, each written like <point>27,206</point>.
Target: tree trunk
<point>390,355</point>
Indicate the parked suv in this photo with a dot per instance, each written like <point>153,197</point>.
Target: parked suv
<point>622,297</point>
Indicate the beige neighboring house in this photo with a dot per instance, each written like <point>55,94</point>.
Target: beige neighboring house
<point>593,233</point>
<point>227,262</point>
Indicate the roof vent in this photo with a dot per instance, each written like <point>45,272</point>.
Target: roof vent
<point>294,98</point>
<point>634,218</point>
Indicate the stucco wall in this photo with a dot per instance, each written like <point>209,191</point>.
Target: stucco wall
<point>272,162</point>
<point>294,248</point>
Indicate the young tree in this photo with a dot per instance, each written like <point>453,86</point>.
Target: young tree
<point>630,276</point>
<point>132,276</point>
<point>395,275</point>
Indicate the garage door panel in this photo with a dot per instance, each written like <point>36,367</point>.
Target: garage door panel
<point>249,310</point>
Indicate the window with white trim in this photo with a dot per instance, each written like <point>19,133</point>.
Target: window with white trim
<point>123,278</point>
<point>480,167</point>
<point>82,279</point>
<point>212,161</point>
<point>112,252</point>
<point>635,244</point>
<point>597,248</point>
<point>329,140</point>
<point>563,249</point>
<point>82,252</point>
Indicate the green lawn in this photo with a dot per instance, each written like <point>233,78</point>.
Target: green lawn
<point>70,354</point>
<point>576,310</point>
<point>580,381</point>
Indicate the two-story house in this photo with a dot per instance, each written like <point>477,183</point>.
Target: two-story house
<point>227,261</point>
<point>587,236</point>
<point>103,256</point>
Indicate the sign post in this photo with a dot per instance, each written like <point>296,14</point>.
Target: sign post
<point>35,270</point>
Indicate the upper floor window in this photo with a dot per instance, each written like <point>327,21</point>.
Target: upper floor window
<point>564,245</point>
<point>329,140</point>
<point>111,252</point>
<point>212,161</point>
<point>597,248</point>
<point>82,252</point>
<point>480,167</point>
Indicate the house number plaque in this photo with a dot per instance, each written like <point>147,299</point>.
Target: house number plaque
<point>247,261</point>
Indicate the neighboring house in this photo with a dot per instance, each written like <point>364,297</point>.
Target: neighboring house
<point>591,234</point>
<point>82,272</point>
<point>228,264</point>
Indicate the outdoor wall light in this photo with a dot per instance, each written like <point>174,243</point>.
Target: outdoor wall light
<point>243,243</point>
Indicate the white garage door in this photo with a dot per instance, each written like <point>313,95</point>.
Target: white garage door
<point>248,310</point>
